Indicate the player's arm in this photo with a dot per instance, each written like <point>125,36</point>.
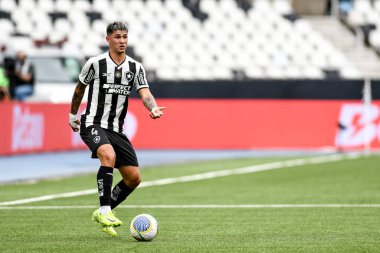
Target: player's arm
<point>150,103</point>
<point>85,77</point>
<point>75,103</point>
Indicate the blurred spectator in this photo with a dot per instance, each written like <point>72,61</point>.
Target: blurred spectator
<point>3,49</point>
<point>24,76</point>
<point>337,7</point>
<point>345,6</point>
<point>4,85</point>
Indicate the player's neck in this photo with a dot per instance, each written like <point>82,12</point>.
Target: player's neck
<point>118,58</point>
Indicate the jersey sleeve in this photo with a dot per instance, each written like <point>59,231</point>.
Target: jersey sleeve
<point>87,73</point>
<point>140,78</point>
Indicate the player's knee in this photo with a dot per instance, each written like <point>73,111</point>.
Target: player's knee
<point>107,157</point>
<point>110,159</point>
<point>134,179</point>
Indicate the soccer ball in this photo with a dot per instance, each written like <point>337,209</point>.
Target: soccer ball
<point>144,227</point>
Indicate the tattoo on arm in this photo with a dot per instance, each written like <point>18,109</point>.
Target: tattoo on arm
<point>149,102</point>
<point>77,97</point>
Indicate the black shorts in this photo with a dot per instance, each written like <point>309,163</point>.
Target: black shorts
<point>94,136</point>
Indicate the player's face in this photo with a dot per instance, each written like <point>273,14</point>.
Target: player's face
<point>118,41</point>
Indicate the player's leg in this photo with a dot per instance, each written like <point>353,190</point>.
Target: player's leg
<point>126,162</point>
<point>104,215</point>
<point>97,140</point>
<point>131,179</point>
<point>107,158</point>
<point>104,177</point>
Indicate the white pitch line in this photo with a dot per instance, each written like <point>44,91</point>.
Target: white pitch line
<point>201,176</point>
<point>253,206</point>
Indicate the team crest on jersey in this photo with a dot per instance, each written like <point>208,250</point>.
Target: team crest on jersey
<point>117,74</point>
<point>129,75</point>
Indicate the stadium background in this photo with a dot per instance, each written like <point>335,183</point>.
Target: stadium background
<point>264,74</point>
<point>278,94</point>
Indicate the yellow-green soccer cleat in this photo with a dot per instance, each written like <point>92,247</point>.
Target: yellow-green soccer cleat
<point>106,220</point>
<point>109,230</point>
<point>95,215</point>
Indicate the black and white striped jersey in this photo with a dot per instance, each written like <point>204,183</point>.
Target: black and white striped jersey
<point>109,88</point>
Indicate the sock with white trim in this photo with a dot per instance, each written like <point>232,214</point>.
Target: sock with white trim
<point>104,179</point>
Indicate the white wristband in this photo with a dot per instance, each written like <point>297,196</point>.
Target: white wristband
<point>73,122</point>
<point>72,117</point>
<point>154,108</point>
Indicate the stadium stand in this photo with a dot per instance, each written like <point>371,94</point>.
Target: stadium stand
<point>191,40</point>
<point>364,17</point>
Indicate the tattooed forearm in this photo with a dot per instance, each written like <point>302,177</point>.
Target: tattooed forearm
<point>77,98</point>
<point>149,102</point>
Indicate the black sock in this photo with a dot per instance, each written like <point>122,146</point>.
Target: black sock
<point>104,179</point>
<point>119,193</point>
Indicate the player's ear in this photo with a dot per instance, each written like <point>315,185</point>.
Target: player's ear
<point>107,39</point>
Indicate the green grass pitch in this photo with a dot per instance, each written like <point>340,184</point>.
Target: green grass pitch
<point>227,226</point>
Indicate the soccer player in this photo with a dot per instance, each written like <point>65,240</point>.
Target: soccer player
<point>111,77</point>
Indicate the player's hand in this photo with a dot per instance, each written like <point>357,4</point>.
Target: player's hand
<point>74,122</point>
<point>157,112</point>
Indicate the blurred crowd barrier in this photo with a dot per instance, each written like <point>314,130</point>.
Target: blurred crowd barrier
<point>204,124</point>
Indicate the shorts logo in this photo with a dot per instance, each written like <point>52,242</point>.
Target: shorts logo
<point>97,139</point>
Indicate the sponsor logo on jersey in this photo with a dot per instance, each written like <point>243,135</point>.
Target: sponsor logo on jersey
<point>120,89</point>
<point>118,74</point>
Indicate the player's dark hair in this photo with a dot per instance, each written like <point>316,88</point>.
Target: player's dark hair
<point>116,25</point>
